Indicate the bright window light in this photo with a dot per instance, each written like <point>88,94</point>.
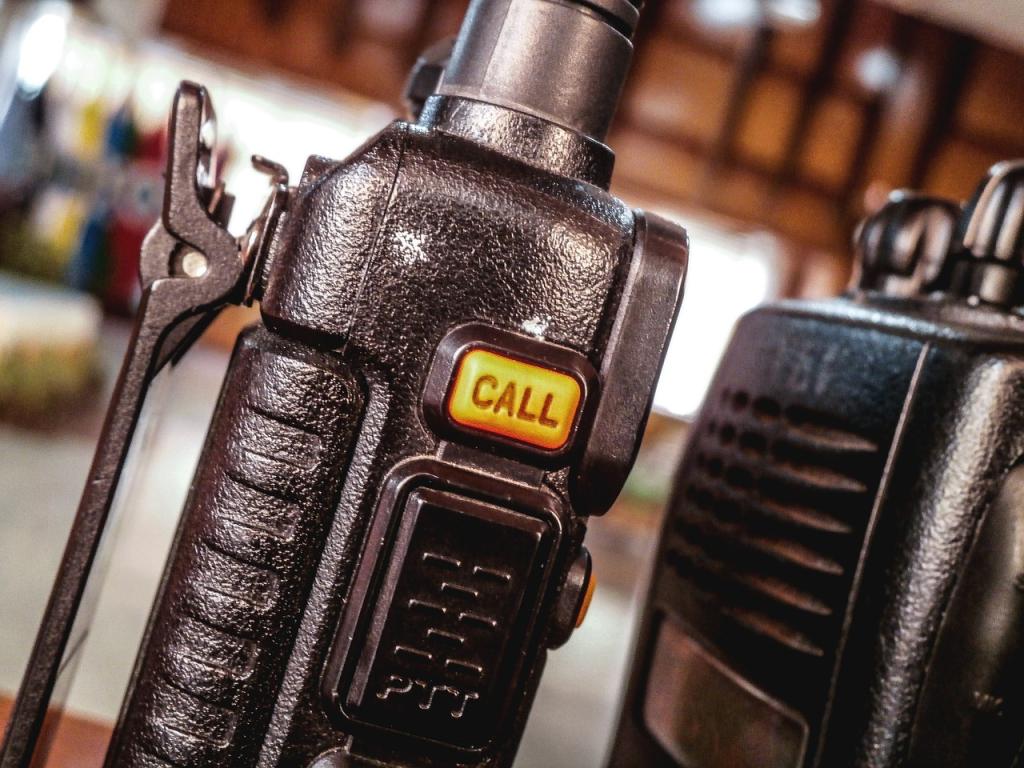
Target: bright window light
<point>793,13</point>
<point>42,45</point>
<point>727,13</point>
<point>729,274</point>
<point>878,69</point>
<point>748,13</point>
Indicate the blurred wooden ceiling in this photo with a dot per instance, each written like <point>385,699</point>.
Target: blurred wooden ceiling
<point>794,123</point>
<point>1001,21</point>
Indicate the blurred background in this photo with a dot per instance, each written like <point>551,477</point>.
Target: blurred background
<point>767,127</point>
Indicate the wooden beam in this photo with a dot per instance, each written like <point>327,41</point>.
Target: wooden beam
<point>746,72</point>
<point>816,89</point>
<point>901,40</point>
<point>961,55</point>
<point>686,38</point>
<point>274,10</point>
<point>754,167</point>
<point>344,23</point>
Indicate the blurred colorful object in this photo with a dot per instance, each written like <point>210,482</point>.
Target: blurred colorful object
<point>32,37</point>
<point>124,204</point>
<point>48,351</point>
<point>76,208</point>
<point>86,223</point>
<point>79,180</point>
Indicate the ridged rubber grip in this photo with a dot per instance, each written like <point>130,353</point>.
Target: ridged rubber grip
<point>241,567</point>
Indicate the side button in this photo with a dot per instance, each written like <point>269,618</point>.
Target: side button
<point>588,598</point>
<point>574,600</point>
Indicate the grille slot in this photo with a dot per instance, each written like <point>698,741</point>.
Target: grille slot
<point>770,518</point>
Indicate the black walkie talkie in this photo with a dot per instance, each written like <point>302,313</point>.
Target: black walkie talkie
<point>840,579</point>
<point>461,332</point>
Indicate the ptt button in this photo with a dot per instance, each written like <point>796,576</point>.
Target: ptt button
<point>490,385</point>
<point>499,394</point>
<point>452,620</point>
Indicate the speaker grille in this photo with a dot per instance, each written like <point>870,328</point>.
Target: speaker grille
<point>772,508</point>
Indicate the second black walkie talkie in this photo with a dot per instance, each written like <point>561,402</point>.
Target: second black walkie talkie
<point>840,580</point>
<point>461,332</point>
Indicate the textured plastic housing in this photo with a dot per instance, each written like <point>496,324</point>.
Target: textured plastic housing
<point>452,234</point>
<point>243,561</point>
<point>822,519</point>
<point>379,258</point>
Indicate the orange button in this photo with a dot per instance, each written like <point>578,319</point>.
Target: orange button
<point>588,596</point>
<point>518,400</point>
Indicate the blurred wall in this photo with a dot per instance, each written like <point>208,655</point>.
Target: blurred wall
<point>133,17</point>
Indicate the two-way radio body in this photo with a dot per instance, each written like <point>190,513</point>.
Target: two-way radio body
<point>839,580</point>
<point>461,331</point>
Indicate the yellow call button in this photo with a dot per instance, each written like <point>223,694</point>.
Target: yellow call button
<point>518,400</point>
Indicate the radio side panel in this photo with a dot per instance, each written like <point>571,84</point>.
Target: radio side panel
<point>947,489</point>
<point>806,602</point>
<point>762,538</point>
<point>467,239</point>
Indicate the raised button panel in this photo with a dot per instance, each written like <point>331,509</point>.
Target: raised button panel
<point>499,394</point>
<point>447,631</point>
<point>494,389</point>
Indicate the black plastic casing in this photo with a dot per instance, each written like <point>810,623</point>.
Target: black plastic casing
<point>419,235</point>
<point>843,547</point>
